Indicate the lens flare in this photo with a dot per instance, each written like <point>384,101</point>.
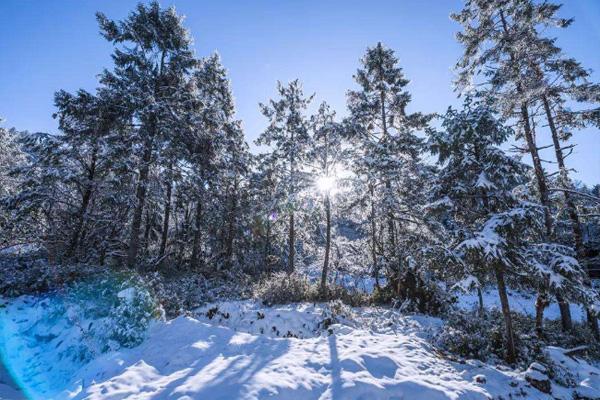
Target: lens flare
<point>46,339</point>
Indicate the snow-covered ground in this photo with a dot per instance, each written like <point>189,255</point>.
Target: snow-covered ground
<point>244,350</point>
<point>520,302</point>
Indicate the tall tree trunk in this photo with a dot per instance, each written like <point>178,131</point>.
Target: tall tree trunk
<point>85,201</point>
<point>511,353</point>
<point>267,248</point>
<point>571,208</point>
<point>291,244</point>
<point>540,304</point>
<point>327,244</point>
<point>197,242</point>
<point>167,215</point>
<point>538,169</point>
<point>147,230</point>
<point>388,184</point>
<point>231,221</point>
<point>480,299</point>
<point>374,238</point>
<point>140,195</point>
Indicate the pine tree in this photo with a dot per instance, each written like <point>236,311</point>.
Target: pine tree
<point>474,188</point>
<point>88,124</point>
<point>11,158</point>
<point>152,58</point>
<point>387,151</point>
<point>288,135</point>
<point>327,156</point>
<point>497,38</point>
<point>267,202</point>
<point>496,227</point>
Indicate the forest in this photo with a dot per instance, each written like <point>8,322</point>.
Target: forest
<point>149,207</point>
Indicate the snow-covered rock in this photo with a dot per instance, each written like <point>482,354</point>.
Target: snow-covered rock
<point>538,379</point>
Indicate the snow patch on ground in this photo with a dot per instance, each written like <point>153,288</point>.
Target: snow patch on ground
<point>244,350</point>
<point>521,302</point>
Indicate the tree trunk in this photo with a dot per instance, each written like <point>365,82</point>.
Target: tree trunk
<point>327,244</point>
<point>197,244</point>
<point>565,313</point>
<point>570,205</point>
<point>388,184</point>
<point>480,298</point>
<point>167,215</point>
<point>571,209</point>
<point>291,244</point>
<point>140,195</point>
<point>85,201</point>
<point>511,353</point>
<point>231,226</point>
<point>147,231</point>
<point>267,248</point>
<point>374,238</point>
<point>540,304</point>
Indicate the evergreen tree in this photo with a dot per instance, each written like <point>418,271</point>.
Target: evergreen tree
<point>152,59</point>
<point>497,38</point>
<point>88,124</point>
<point>327,156</point>
<point>288,136</point>
<point>496,228</point>
<point>387,153</point>
<point>11,157</point>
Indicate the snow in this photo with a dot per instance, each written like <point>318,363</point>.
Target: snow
<point>521,302</point>
<point>244,350</point>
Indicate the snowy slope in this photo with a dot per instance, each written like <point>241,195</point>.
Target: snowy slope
<point>244,350</point>
<point>225,357</point>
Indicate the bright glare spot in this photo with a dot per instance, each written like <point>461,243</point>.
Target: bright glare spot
<point>326,184</point>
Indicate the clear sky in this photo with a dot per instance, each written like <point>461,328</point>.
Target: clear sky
<point>54,44</point>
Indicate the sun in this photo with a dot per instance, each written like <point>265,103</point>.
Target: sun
<point>326,184</point>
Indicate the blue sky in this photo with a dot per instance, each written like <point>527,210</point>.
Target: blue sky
<point>50,45</point>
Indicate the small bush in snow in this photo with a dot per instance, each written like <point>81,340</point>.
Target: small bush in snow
<point>185,292</point>
<point>113,311</point>
<point>282,288</point>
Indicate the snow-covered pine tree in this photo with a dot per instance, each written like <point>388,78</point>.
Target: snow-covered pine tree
<point>558,83</point>
<point>496,37</point>
<point>387,154</point>
<point>152,57</point>
<point>326,158</point>
<point>497,230</point>
<point>288,136</point>
<point>474,191</point>
<point>89,125</point>
<point>11,157</point>
<point>231,154</point>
